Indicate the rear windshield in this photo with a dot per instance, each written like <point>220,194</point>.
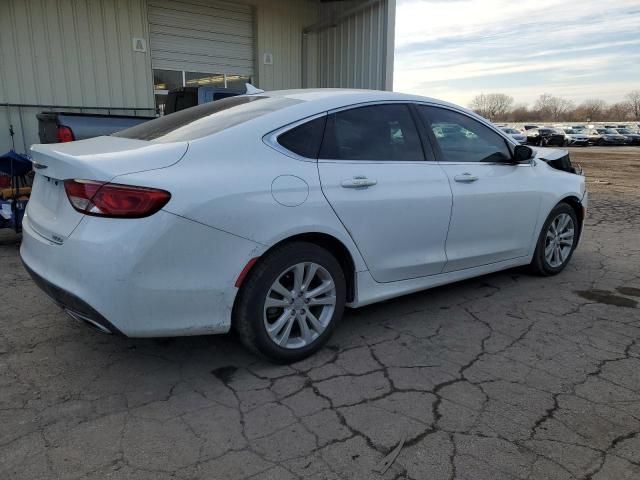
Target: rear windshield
<point>206,119</point>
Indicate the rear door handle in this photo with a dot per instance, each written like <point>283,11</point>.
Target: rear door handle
<point>358,182</point>
<point>465,178</point>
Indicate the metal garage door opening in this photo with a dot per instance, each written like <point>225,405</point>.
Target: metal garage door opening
<point>199,43</point>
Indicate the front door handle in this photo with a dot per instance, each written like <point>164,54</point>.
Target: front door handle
<point>465,178</point>
<point>358,182</point>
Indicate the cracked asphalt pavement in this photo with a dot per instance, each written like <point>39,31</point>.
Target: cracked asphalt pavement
<point>507,376</point>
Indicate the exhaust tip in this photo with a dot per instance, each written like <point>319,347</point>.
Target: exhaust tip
<point>88,321</point>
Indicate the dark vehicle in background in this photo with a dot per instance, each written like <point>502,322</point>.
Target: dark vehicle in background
<point>529,127</point>
<point>60,127</point>
<point>546,136</point>
<point>605,136</point>
<point>187,97</point>
<point>632,137</point>
<point>576,137</point>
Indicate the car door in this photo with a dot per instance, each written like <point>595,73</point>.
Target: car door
<point>495,202</point>
<point>394,202</point>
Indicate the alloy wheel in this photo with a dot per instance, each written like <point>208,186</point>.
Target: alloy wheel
<point>559,240</point>
<point>299,305</point>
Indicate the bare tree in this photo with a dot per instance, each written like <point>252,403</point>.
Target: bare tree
<point>633,98</point>
<point>551,107</point>
<point>520,113</point>
<point>619,111</point>
<point>592,110</point>
<point>493,106</point>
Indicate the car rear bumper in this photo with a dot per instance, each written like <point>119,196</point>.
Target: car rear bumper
<point>77,308</point>
<point>158,276</point>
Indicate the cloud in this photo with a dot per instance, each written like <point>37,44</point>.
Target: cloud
<point>458,49</point>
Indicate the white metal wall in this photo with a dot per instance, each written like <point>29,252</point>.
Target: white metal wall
<point>80,52</point>
<point>202,36</point>
<point>355,42</point>
<point>279,25</point>
<point>70,52</point>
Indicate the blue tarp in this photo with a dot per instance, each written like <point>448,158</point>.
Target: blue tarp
<point>21,164</point>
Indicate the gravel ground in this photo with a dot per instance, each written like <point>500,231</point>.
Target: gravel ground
<point>504,376</point>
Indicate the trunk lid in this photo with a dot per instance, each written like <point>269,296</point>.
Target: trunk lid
<point>49,212</point>
<point>102,158</point>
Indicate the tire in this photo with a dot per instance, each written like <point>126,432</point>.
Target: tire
<point>565,143</point>
<point>542,264</point>
<point>601,143</point>
<point>277,272</point>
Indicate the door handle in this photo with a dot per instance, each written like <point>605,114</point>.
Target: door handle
<point>465,178</point>
<point>358,182</point>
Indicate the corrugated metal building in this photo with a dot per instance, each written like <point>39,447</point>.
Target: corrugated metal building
<point>121,56</point>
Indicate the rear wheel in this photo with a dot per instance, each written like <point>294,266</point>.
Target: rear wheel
<point>291,302</point>
<point>556,242</point>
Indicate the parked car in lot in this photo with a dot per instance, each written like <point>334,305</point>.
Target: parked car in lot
<point>518,136</point>
<point>269,213</point>
<point>576,137</point>
<point>632,138</point>
<point>546,136</point>
<point>606,136</point>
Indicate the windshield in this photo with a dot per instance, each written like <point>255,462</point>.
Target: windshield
<point>609,131</point>
<point>510,131</point>
<point>206,119</point>
<point>624,130</point>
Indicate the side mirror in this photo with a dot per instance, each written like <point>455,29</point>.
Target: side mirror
<point>522,153</point>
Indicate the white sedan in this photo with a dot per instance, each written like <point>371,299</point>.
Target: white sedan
<point>271,212</point>
<point>517,135</point>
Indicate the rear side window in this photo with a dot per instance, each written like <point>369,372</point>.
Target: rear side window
<point>305,139</point>
<point>206,119</point>
<point>376,132</point>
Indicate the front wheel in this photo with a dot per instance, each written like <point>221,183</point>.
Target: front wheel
<point>291,302</point>
<point>556,242</point>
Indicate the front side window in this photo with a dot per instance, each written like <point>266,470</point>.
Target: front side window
<point>463,139</point>
<point>376,132</point>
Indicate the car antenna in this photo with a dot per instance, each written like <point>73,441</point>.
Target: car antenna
<point>251,90</point>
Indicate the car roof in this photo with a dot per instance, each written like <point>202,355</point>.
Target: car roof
<point>350,96</point>
<point>312,101</point>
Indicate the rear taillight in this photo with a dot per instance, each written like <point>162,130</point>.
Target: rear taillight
<point>114,200</point>
<point>64,134</point>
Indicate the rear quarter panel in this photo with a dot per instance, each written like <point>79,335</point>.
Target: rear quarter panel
<point>226,181</point>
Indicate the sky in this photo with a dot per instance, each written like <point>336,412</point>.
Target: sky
<point>456,49</point>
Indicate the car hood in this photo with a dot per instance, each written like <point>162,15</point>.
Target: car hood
<point>548,154</point>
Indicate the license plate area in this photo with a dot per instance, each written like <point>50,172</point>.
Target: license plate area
<point>49,212</point>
